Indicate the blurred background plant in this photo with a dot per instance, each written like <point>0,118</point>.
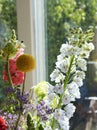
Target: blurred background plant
<point>61,16</point>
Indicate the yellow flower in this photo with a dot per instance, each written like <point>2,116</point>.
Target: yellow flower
<point>25,63</point>
<point>41,89</point>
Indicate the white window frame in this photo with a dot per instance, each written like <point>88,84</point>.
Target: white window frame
<point>30,22</point>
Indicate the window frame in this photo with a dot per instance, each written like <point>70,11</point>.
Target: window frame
<point>31,30</point>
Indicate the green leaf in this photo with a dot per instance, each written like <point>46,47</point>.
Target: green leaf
<point>30,123</point>
<point>41,128</point>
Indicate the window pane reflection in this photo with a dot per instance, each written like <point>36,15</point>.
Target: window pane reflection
<point>61,16</point>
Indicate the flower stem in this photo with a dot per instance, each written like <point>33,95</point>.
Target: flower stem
<point>8,72</point>
<point>66,79</point>
<point>21,104</point>
<point>24,84</point>
<point>53,124</point>
<point>68,73</point>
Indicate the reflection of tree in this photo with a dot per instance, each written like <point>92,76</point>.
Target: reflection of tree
<point>7,16</point>
<point>63,14</point>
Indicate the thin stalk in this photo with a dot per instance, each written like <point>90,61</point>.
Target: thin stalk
<point>21,104</point>
<point>66,80</point>
<point>53,124</point>
<point>23,88</point>
<point>68,73</point>
<point>8,71</point>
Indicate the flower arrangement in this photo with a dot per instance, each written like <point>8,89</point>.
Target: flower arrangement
<point>45,106</point>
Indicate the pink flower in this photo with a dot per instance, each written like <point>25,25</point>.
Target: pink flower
<point>17,76</point>
<point>20,52</point>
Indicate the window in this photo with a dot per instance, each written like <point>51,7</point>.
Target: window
<point>61,15</point>
<point>31,31</point>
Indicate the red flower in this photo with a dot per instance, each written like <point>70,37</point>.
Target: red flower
<point>3,125</point>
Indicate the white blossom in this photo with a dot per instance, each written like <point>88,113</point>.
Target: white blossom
<point>59,114</point>
<point>57,76</point>
<point>80,74</point>
<point>84,54</point>
<point>67,98</point>
<point>60,57</point>
<point>78,81</point>
<point>63,65</point>
<point>69,110</point>
<point>64,124</point>
<point>88,46</point>
<point>73,89</point>
<point>67,50</point>
<point>59,88</point>
<point>86,49</point>
<point>48,128</point>
<point>82,64</point>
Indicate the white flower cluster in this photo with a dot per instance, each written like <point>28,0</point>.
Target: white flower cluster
<point>68,77</point>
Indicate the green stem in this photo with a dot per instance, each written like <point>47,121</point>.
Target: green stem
<point>24,84</point>
<point>68,73</point>
<point>53,124</point>
<point>21,104</point>
<point>66,79</point>
<point>8,72</point>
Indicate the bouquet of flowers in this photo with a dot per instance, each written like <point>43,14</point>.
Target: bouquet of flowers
<point>44,106</point>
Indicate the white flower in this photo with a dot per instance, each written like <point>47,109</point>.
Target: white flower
<point>80,74</point>
<point>52,100</point>
<point>84,54</point>
<point>73,89</point>
<point>60,57</point>
<point>63,65</point>
<point>78,81</point>
<point>64,124</point>
<point>47,128</point>
<point>86,49</point>
<point>57,76</point>
<point>50,88</point>
<point>69,110</point>
<point>59,88</point>
<point>59,114</point>
<point>51,96</point>
<point>82,64</point>
<point>67,50</point>
<point>67,98</point>
<point>88,46</point>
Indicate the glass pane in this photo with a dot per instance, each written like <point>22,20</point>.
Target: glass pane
<point>8,21</point>
<point>61,16</point>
